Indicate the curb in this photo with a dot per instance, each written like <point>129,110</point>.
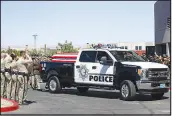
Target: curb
<point>12,107</point>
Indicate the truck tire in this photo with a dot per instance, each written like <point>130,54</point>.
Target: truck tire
<point>82,89</point>
<point>54,84</point>
<point>157,96</point>
<point>127,90</point>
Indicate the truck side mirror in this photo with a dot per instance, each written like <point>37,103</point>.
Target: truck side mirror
<point>104,61</point>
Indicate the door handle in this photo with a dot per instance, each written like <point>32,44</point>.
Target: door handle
<point>94,67</point>
<point>77,66</point>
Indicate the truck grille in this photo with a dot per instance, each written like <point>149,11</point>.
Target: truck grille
<point>159,74</point>
<point>157,78</point>
<point>157,69</point>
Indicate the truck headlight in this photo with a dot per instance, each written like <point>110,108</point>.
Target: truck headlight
<point>168,73</point>
<point>142,73</point>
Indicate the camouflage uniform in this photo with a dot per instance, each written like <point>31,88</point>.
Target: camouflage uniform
<point>8,61</point>
<point>30,71</point>
<point>14,81</point>
<point>36,73</point>
<point>22,78</point>
<point>2,75</point>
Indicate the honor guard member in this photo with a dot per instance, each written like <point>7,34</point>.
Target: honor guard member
<point>29,67</point>
<point>2,74</point>
<point>36,63</point>
<point>32,76</point>
<point>30,72</point>
<point>8,61</point>
<point>23,76</point>
<point>14,80</point>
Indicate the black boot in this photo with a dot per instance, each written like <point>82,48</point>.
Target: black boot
<point>24,103</point>
<point>27,101</point>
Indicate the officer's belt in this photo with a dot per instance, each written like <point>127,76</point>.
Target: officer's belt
<point>8,70</point>
<point>31,74</point>
<point>23,73</point>
<point>14,72</point>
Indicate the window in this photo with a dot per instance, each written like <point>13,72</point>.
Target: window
<point>126,47</point>
<point>169,22</point>
<point>140,47</point>
<point>130,56</point>
<point>101,54</point>
<point>136,47</point>
<point>88,56</point>
<point>122,47</point>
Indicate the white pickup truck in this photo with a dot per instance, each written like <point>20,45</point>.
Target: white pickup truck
<point>118,69</point>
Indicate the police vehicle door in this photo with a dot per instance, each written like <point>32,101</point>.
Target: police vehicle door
<point>84,67</point>
<point>103,72</point>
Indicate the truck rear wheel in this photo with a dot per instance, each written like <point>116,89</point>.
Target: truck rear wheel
<point>54,85</point>
<point>157,96</point>
<point>127,90</point>
<point>82,89</point>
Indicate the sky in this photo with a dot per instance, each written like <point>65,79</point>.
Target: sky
<point>78,21</point>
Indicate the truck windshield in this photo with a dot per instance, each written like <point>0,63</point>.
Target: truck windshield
<point>130,56</point>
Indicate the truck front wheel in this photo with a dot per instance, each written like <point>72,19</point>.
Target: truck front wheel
<point>157,96</point>
<point>127,90</point>
<point>82,89</point>
<point>54,85</point>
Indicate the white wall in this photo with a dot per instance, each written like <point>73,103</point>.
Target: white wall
<point>132,46</point>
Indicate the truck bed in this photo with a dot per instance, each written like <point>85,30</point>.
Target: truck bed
<point>64,71</point>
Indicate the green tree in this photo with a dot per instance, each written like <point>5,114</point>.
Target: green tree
<point>67,47</point>
<point>16,52</point>
<point>51,52</point>
<point>9,51</point>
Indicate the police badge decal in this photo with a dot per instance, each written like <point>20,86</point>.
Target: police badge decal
<point>83,72</point>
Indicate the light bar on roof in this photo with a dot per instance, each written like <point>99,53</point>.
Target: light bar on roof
<point>106,46</point>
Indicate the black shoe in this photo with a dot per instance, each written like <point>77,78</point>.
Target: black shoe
<point>24,103</point>
<point>27,101</point>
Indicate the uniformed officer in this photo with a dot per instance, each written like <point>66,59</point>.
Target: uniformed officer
<point>7,62</point>
<point>14,80</point>
<point>2,74</point>
<point>30,72</point>
<point>36,63</point>
<point>23,76</point>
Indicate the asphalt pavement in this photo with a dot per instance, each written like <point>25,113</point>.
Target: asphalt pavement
<point>92,102</point>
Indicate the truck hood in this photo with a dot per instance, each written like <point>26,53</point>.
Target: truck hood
<point>146,65</point>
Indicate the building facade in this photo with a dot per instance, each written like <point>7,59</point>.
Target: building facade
<point>162,20</point>
<point>129,45</point>
<point>138,47</point>
<point>135,45</point>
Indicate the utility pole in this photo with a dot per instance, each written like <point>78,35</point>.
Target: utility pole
<point>35,40</point>
<point>45,49</point>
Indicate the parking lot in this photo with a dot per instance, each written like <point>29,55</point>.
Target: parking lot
<point>93,102</point>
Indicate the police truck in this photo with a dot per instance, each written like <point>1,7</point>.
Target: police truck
<point>107,67</point>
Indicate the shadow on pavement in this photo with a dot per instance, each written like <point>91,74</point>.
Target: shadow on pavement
<point>108,94</point>
<point>28,102</point>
